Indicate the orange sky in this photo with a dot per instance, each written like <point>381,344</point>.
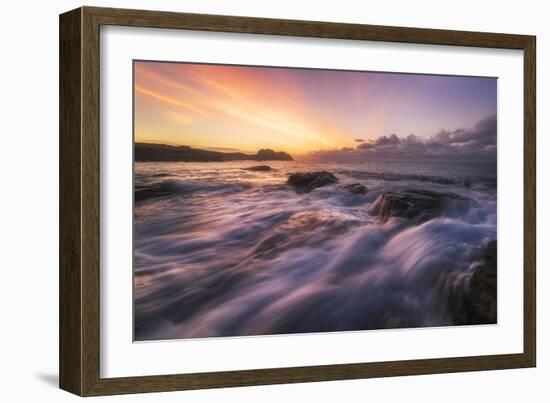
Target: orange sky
<point>292,110</point>
<point>215,106</point>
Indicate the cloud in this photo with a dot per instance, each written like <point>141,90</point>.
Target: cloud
<point>359,140</point>
<point>475,144</point>
<point>380,143</point>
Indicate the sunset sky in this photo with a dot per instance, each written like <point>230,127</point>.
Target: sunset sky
<point>299,110</point>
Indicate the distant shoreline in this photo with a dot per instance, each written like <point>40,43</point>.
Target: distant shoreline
<point>150,152</point>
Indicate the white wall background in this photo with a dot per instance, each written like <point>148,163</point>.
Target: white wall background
<point>29,200</point>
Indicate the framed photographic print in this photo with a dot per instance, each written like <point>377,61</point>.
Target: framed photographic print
<point>249,201</point>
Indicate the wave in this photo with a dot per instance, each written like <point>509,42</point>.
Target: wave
<point>252,257</point>
<point>180,187</point>
<point>467,181</point>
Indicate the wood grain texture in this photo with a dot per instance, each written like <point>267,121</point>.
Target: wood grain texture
<point>90,202</point>
<point>80,201</point>
<point>530,202</point>
<point>317,29</point>
<point>70,273</point>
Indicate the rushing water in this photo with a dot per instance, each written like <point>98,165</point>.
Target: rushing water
<point>222,251</point>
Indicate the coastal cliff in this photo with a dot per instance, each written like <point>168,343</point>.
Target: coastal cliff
<point>144,152</point>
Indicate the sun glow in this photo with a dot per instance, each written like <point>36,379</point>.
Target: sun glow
<point>292,110</point>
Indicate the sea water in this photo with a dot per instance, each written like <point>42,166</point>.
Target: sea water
<point>224,251</point>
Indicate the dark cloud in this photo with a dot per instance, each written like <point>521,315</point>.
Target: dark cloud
<point>359,140</point>
<point>380,142</point>
<point>477,143</point>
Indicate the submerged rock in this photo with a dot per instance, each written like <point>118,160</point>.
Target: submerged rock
<point>355,188</point>
<point>479,301</point>
<point>149,192</point>
<point>259,168</point>
<point>307,181</point>
<point>418,204</point>
<point>304,229</point>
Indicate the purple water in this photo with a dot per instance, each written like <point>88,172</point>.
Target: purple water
<point>221,251</point>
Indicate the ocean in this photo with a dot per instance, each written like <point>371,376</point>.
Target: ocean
<point>224,251</point>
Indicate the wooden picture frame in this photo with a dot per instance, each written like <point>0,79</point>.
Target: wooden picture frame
<point>79,346</point>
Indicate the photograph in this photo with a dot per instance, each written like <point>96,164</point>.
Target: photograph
<point>281,200</point>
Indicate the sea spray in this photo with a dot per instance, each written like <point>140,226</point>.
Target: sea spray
<point>225,251</point>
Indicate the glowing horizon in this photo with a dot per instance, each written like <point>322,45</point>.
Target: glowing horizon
<point>299,111</point>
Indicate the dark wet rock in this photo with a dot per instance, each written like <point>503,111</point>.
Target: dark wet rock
<point>418,204</point>
<point>355,188</point>
<point>478,304</point>
<point>258,168</point>
<point>307,181</point>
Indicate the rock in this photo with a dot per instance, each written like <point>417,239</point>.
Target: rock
<point>309,228</point>
<point>259,168</point>
<point>418,204</point>
<point>268,155</point>
<point>146,193</point>
<point>144,152</point>
<point>479,302</point>
<point>355,188</point>
<point>307,181</point>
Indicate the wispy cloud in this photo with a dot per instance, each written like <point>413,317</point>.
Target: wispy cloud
<point>169,100</point>
<point>300,110</point>
<point>232,99</point>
